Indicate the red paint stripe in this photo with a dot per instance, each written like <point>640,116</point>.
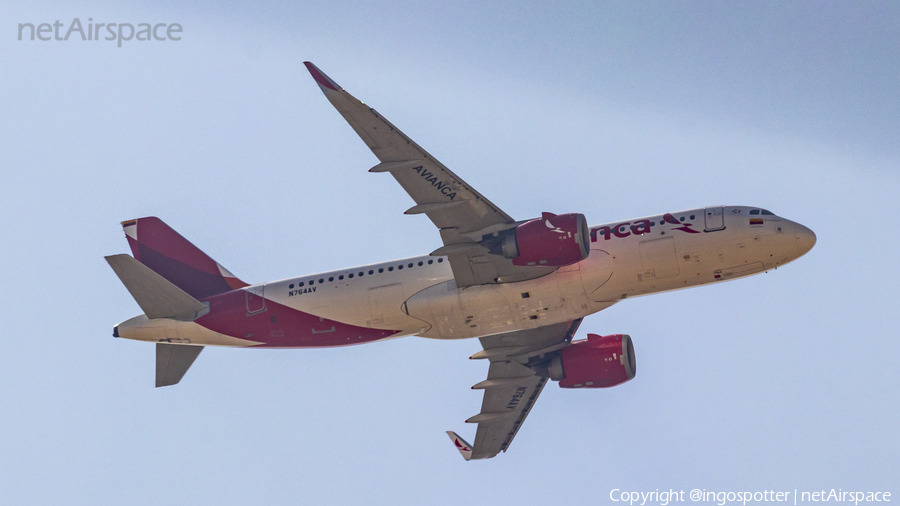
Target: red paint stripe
<point>279,326</point>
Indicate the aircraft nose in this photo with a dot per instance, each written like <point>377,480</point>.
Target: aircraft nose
<point>806,239</point>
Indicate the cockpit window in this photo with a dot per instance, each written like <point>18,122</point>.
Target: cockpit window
<point>754,211</point>
<point>767,213</point>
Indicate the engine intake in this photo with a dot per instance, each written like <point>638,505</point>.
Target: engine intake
<point>595,362</point>
<point>550,240</point>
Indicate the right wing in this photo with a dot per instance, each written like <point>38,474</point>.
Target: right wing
<point>515,380</point>
<point>463,216</point>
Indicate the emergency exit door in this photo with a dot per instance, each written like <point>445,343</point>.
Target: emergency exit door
<point>715,218</point>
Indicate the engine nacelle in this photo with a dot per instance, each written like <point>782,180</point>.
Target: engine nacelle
<point>595,362</point>
<point>550,240</point>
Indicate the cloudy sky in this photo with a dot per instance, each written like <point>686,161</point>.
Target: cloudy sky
<point>786,380</point>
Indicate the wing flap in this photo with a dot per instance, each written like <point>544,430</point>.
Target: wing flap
<point>525,343</point>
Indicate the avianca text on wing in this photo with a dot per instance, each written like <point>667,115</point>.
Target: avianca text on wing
<point>94,31</point>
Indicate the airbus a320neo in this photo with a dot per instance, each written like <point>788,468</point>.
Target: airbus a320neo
<point>521,286</point>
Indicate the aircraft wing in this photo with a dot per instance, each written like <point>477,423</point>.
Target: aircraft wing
<point>463,216</point>
<point>512,386</point>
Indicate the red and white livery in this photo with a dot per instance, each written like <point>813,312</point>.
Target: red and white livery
<point>522,287</point>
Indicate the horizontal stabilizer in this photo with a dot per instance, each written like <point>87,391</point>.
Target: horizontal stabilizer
<point>157,297</point>
<point>465,449</point>
<point>172,361</point>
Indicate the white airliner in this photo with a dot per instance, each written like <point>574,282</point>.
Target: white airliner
<point>521,286</point>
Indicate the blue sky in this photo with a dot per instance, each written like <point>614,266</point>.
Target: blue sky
<point>786,380</point>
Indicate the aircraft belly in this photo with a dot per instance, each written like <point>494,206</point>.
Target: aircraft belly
<point>361,305</point>
<point>482,310</point>
<point>572,290</point>
<point>166,330</point>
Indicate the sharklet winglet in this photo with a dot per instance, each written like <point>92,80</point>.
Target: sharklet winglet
<point>323,80</point>
<point>465,449</point>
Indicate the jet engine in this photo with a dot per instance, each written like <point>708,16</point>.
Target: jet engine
<point>550,240</point>
<point>595,362</point>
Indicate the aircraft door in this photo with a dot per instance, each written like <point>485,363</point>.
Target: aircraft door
<point>715,218</point>
<point>256,302</point>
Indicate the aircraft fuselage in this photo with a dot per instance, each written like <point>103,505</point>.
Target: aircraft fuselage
<point>418,296</point>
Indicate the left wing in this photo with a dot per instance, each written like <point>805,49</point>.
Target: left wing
<point>515,379</point>
<point>463,216</point>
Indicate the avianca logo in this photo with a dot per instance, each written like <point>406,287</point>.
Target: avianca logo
<point>684,227</point>
<point>639,227</point>
<point>462,447</point>
<point>554,228</point>
<point>440,185</point>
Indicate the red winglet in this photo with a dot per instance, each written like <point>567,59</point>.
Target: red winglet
<point>320,77</point>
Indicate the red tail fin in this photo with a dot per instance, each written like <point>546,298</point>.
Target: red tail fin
<point>166,252</point>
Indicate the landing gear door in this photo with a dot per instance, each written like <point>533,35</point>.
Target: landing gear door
<point>715,218</point>
<point>385,305</point>
<point>256,301</point>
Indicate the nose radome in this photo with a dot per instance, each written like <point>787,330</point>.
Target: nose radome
<point>806,239</point>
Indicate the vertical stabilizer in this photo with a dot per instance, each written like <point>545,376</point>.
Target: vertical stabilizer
<point>166,252</point>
